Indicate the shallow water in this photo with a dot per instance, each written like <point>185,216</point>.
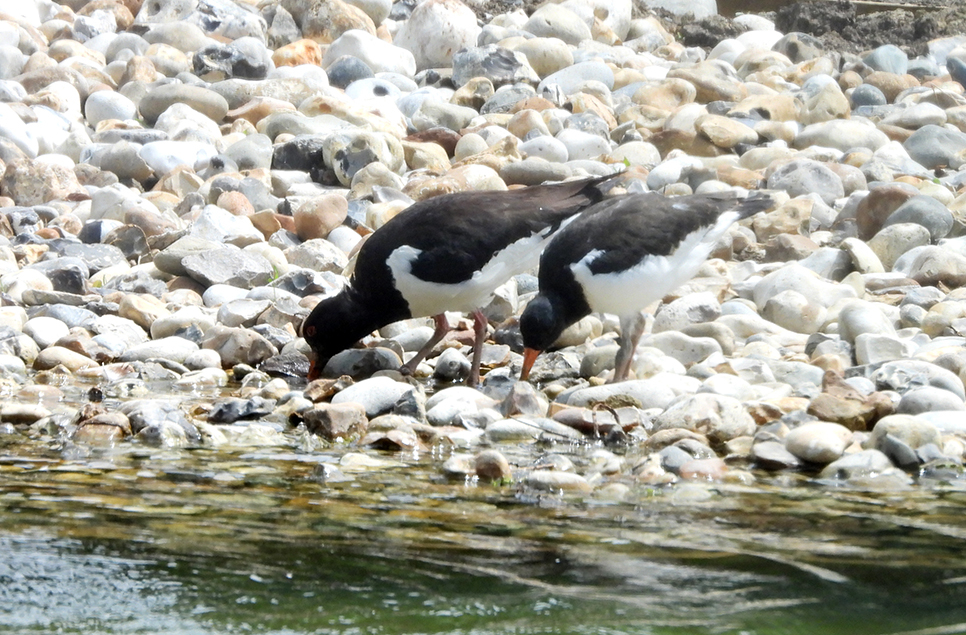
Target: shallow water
<point>135,539</point>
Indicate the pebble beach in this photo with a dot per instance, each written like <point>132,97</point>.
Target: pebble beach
<point>183,181</point>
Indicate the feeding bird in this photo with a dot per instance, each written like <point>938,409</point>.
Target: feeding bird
<point>621,255</point>
<point>447,253</point>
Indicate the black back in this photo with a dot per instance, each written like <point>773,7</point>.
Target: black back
<point>628,228</point>
<point>459,233</point>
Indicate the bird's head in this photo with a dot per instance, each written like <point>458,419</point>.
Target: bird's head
<point>541,323</point>
<point>335,324</point>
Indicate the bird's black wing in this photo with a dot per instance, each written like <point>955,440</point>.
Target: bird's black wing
<point>624,230</point>
<point>457,234</point>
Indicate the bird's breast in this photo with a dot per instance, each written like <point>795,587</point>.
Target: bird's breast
<point>426,297</point>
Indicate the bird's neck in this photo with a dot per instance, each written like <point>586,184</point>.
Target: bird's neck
<point>372,313</point>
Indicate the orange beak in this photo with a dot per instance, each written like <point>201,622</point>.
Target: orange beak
<point>316,366</point>
<point>529,356</point>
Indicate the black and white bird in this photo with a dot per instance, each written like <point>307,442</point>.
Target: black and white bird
<point>621,255</point>
<point>447,253</point>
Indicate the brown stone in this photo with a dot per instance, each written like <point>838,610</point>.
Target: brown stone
<point>875,208</point>
<point>711,82</point>
<point>122,14</point>
<point>474,93</point>
<point>771,107</point>
<point>142,309</point>
<point>663,438</point>
<point>895,133</point>
<point>424,156</point>
<point>491,465</point>
<point>443,137</point>
<point>257,108</point>
<point>647,118</point>
<point>585,102</point>
<point>533,103</point>
<point>337,422</point>
<point>827,104</point>
<point>712,469</point>
<point>325,20</point>
<point>63,49</point>
<point>849,79</point>
<point>104,428</point>
<point>324,389</point>
<point>786,247</point>
<point>236,203</point>
<point>835,362</point>
<point>320,215</point>
<point>266,222</point>
<point>841,403</point>
<point>687,142</point>
<point>304,51</point>
<point>791,218</point>
<point>34,182</point>
<point>891,84</point>
<point>397,440</point>
<point>139,69</point>
<point>83,344</point>
<point>724,132</point>
<point>149,222</point>
<point>668,95</point>
<point>741,177</point>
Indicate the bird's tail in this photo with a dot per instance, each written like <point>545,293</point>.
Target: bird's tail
<point>753,203</point>
<point>598,187</point>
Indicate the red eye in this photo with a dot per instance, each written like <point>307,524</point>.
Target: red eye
<point>308,331</point>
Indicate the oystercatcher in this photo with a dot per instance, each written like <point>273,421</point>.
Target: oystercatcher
<point>621,255</point>
<point>447,253</point>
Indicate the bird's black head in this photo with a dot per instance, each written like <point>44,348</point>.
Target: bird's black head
<point>541,323</point>
<point>335,324</point>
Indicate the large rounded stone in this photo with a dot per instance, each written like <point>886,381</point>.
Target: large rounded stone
<point>818,442</point>
<point>201,99</point>
<point>436,30</point>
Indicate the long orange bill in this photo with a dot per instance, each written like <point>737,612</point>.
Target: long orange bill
<point>529,356</point>
<point>314,369</point>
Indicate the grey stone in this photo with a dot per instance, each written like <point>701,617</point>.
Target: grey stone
<point>361,362</point>
<point>928,398</point>
<point>378,395</point>
<point>229,265</point>
<point>819,442</point>
<point>934,146</point>
<point>926,211</point>
<point>718,417</point>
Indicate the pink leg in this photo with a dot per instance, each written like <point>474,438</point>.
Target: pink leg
<point>631,330</point>
<point>442,328</point>
<point>479,329</point>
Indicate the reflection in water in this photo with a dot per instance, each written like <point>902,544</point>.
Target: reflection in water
<point>142,540</point>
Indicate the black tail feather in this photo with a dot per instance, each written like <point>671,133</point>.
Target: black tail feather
<point>755,202</point>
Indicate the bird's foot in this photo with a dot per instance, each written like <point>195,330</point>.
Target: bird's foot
<point>406,371</point>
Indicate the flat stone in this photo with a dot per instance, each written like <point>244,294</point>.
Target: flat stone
<point>718,417</point>
<point>818,442</point>
<point>229,265</point>
<point>376,395</point>
<point>205,101</point>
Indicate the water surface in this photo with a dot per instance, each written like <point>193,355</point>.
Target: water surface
<point>134,539</point>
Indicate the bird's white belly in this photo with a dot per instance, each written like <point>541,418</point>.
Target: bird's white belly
<point>625,292</point>
<point>432,298</point>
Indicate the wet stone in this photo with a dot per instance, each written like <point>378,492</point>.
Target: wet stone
<point>491,465</point>
<point>772,455</point>
<point>233,409</point>
<point>337,421</point>
<point>377,396</point>
<point>818,442</point>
